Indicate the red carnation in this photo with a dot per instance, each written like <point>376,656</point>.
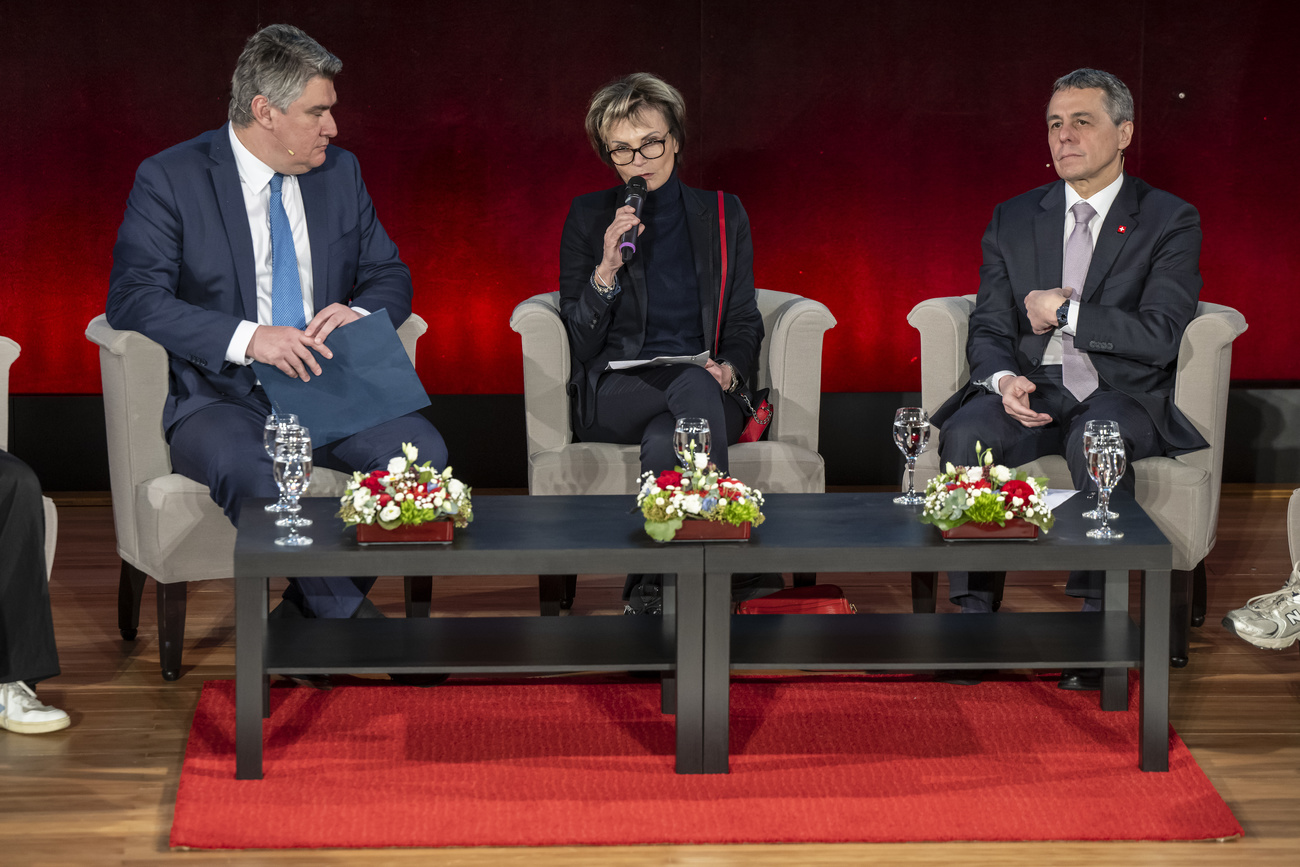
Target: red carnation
<point>1016,488</point>
<point>372,484</point>
<point>384,500</point>
<point>669,478</point>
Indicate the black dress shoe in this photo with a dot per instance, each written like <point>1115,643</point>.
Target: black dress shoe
<point>1080,679</point>
<point>962,676</point>
<point>315,681</point>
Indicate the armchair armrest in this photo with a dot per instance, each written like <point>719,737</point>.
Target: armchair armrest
<point>8,355</point>
<point>546,371</point>
<point>943,326</point>
<point>793,368</point>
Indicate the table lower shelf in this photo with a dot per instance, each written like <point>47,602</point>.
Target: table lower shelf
<point>469,644</point>
<point>905,642</point>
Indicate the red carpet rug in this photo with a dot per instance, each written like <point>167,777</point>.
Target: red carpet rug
<point>814,759</point>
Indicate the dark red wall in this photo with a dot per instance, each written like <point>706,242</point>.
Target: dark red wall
<point>869,142</point>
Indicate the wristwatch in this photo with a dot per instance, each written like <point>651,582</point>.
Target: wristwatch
<point>735,378</point>
<point>1063,314</point>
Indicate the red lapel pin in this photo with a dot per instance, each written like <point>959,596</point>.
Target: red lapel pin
<point>1122,229</point>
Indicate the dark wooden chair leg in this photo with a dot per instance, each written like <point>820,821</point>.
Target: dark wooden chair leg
<point>551,593</point>
<point>924,592</point>
<point>419,594</point>
<point>171,627</point>
<point>804,579</point>
<point>130,590</point>
<point>1180,616</point>
<point>1198,594</point>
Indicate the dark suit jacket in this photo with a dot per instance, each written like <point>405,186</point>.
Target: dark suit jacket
<point>1139,296</point>
<point>183,272</point>
<point>601,331</point>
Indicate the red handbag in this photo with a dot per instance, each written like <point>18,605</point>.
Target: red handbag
<point>816,599</point>
<point>759,410</point>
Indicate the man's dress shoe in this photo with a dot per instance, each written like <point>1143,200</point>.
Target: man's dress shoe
<point>1080,678</point>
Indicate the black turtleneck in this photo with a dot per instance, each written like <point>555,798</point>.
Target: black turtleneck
<point>672,325</point>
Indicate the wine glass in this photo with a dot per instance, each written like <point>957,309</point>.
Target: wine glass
<point>1107,461</point>
<point>911,435</point>
<point>691,437</point>
<point>292,465</point>
<point>1098,427</point>
<point>277,423</point>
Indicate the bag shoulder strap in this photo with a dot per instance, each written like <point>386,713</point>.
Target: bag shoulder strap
<point>722,290</point>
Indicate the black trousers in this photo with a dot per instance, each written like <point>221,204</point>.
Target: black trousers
<point>27,650</point>
<point>644,405</point>
<point>984,419</point>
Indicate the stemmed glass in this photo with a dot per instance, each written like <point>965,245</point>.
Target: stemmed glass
<point>278,424</point>
<point>292,464</point>
<point>1107,461</point>
<point>1098,427</point>
<point>911,435</point>
<point>691,437</point>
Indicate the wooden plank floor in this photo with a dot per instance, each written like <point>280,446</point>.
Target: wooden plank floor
<point>102,792</point>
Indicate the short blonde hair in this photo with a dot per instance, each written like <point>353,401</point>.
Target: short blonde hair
<point>628,98</point>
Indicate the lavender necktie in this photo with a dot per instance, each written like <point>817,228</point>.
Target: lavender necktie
<point>1077,372</point>
<point>286,288</point>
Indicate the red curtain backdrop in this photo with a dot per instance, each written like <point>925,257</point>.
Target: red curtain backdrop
<point>868,141</point>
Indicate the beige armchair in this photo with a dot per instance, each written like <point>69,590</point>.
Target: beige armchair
<point>789,363</point>
<point>167,525</point>
<point>9,352</point>
<point>1180,494</point>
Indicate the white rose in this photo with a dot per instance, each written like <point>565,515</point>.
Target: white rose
<point>1001,475</point>
<point>701,461</point>
<point>397,466</point>
<point>974,474</point>
<point>456,489</point>
<point>391,512</point>
<point>691,503</point>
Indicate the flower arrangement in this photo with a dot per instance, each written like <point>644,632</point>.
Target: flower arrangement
<point>986,493</point>
<point>405,493</point>
<point>697,492</point>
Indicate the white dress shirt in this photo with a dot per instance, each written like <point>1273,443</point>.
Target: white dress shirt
<point>1101,202</point>
<point>255,181</point>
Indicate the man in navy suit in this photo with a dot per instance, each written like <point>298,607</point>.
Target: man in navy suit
<point>1086,288</point>
<point>249,243</point>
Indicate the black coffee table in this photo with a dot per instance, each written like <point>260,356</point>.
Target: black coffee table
<point>869,533</point>
<point>510,535</point>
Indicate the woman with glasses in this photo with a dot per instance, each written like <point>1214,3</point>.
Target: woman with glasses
<point>664,300</point>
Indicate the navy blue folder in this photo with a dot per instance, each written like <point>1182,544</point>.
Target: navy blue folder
<point>370,380</point>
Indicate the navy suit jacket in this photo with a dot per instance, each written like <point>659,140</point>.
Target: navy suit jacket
<point>1140,294</point>
<point>601,331</point>
<point>183,272</point>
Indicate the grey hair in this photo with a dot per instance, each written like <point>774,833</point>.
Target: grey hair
<point>277,62</point>
<point>626,99</point>
<point>1115,95</point>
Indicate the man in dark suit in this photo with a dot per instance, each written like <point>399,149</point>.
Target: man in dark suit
<point>1086,288</point>
<point>249,243</point>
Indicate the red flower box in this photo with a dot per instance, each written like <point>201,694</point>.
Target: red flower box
<point>702,531</point>
<point>1016,528</point>
<point>430,532</point>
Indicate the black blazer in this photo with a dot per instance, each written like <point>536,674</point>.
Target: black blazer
<point>601,331</point>
<point>1140,294</point>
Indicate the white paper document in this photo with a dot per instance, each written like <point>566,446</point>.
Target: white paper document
<point>659,362</point>
<point>1057,496</point>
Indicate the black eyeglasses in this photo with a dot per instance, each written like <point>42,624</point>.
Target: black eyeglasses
<point>651,150</point>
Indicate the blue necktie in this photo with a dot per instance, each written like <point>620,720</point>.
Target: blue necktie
<point>286,288</point>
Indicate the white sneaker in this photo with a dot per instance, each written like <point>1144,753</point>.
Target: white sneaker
<point>1271,620</point>
<point>21,712</point>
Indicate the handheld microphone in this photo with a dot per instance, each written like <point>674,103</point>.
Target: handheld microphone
<point>635,196</point>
